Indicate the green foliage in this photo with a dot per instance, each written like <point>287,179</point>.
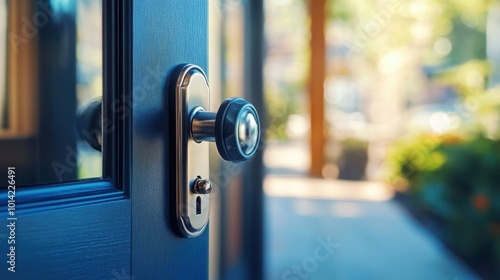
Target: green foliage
<point>354,144</point>
<point>280,106</point>
<point>385,26</point>
<point>287,46</point>
<point>409,160</point>
<point>458,181</point>
<point>467,78</point>
<point>466,193</point>
<point>454,177</point>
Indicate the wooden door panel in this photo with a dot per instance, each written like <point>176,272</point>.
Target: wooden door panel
<point>120,227</point>
<point>72,231</point>
<point>166,34</point>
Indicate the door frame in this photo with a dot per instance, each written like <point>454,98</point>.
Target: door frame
<point>119,225</point>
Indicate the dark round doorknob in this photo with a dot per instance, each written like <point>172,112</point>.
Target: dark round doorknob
<point>235,129</point>
<point>89,123</point>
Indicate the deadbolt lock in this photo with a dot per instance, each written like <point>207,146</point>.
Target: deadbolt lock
<point>235,128</point>
<point>201,186</point>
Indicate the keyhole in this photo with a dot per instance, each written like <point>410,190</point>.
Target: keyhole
<point>198,205</point>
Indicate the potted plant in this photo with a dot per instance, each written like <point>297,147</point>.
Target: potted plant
<point>353,159</point>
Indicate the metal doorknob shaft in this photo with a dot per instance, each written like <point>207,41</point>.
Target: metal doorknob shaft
<point>235,129</point>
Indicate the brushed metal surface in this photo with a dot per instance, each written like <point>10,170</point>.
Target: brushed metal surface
<point>192,93</point>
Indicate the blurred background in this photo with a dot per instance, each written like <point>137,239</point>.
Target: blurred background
<point>382,128</point>
<point>381,157</point>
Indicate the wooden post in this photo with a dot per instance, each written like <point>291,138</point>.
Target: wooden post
<point>316,81</point>
<point>22,86</point>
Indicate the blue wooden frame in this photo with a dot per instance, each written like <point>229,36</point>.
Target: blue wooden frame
<point>119,226</point>
<point>82,228</point>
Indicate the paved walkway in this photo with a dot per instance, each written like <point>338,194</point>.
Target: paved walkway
<point>320,229</point>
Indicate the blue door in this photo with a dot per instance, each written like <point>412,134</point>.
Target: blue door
<point>118,226</point>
